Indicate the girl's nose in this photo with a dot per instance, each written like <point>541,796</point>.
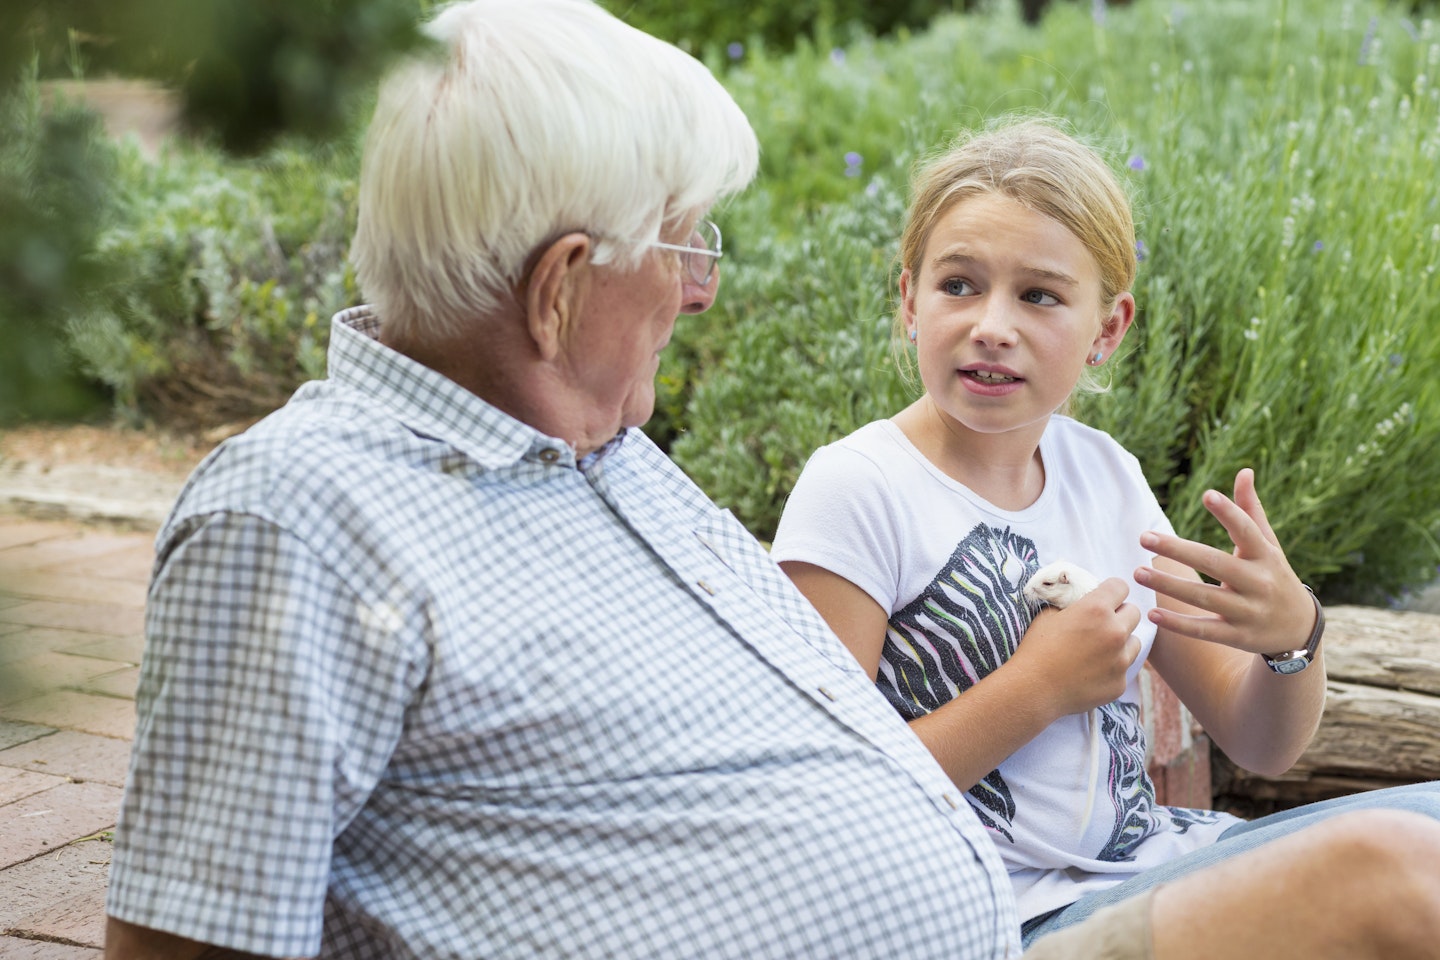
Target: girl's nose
<point>995,325</point>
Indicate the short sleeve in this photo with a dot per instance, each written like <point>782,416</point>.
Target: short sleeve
<point>271,696</point>
<point>840,517</point>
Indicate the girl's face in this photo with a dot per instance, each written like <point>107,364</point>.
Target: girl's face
<point>1006,305</point>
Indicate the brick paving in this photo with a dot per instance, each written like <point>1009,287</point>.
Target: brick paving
<point>72,600</point>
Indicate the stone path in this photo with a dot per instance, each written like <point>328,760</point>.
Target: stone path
<point>72,601</point>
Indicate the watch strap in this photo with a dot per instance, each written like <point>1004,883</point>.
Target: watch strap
<point>1293,661</point>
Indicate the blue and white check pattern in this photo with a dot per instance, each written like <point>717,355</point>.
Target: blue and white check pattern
<point>417,684</point>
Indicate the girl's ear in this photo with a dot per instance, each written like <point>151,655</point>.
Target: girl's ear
<point>1115,325</point>
<point>907,303</point>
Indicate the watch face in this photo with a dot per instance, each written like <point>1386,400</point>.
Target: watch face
<point>1290,666</point>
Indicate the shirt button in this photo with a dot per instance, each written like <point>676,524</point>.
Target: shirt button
<point>827,693</point>
<point>549,454</point>
<point>705,586</point>
<point>950,799</point>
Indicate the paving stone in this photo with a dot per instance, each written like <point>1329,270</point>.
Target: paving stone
<point>13,732</point>
<point>65,585</point>
<point>133,563</point>
<point>121,683</point>
<point>46,672</point>
<point>14,948</point>
<point>20,681</point>
<point>72,710</point>
<point>127,650</point>
<point>79,919</point>
<point>19,784</point>
<point>69,753</point>
<point>45,822</point>
<point>75,872</point>
<point>101,618</point>
<point>17,531</point>
<point>26,641</point>
<point>82,544</point>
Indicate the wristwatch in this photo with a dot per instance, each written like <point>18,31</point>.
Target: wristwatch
<point>1293,661</point>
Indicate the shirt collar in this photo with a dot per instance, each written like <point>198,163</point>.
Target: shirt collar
<point>431,403</point>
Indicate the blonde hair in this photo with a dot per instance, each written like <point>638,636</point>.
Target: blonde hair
<point>533,118</point>
<point>1038,165</point>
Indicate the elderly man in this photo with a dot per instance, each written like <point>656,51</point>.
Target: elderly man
<point>446,659</point>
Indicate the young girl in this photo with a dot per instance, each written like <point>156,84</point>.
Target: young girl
<point>915,536</point>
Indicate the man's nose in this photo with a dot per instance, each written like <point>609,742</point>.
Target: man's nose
<point>697,298</point>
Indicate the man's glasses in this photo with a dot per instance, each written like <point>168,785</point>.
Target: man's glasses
<point>701,254</point>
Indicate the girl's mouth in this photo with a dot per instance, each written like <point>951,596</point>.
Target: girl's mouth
<point>989,376</point>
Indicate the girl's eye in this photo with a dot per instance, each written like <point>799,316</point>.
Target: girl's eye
<point>956,287</point>
<point>1040,297</point>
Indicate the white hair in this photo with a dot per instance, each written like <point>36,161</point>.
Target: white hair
<point>536,118</point>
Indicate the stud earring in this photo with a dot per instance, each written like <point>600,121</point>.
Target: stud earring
<point>1095,360</point>
<point>914,335</point>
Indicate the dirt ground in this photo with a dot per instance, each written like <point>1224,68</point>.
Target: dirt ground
<point>152,451</point>
<point>135,108</point>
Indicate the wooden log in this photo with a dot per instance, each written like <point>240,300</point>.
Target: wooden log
<point>1382,716</point>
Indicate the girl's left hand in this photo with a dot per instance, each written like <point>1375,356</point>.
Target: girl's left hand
<point>1256,603</point>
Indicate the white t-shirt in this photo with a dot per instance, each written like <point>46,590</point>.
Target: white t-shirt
<point>949,568</point>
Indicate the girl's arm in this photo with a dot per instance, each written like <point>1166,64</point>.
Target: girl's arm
<point>1210,635</point>
<point>1069,661</point>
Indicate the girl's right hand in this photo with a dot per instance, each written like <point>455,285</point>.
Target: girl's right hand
<point>1081,654</point>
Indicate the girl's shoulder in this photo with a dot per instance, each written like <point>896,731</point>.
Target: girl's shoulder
<point>1065,433</point>
<point>876,444</point>
<point>1076,452</point>
<point>877,454</point>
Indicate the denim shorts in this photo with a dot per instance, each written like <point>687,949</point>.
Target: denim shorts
<point>1117,932</point>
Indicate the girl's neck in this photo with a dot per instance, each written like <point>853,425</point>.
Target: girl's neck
<point>1004,468</point>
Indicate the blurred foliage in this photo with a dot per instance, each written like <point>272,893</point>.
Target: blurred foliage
<point>54,182</point>
<point>250,72</point>
<point>721,31</point>
<point>223,278</point>
<point>1281,154</point>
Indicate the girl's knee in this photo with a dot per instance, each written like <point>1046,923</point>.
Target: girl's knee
<point>1385,870</point>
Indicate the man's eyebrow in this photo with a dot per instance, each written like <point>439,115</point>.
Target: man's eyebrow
<point>1037,273</point>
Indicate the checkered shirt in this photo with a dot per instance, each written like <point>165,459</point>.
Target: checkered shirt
<point>418,684</point>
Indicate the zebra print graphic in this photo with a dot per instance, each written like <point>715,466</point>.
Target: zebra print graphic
<point>962,627</point>
<point>955,633</point>
<point>1131,790</point>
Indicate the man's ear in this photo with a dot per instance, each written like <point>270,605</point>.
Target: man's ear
<point>555,291</point>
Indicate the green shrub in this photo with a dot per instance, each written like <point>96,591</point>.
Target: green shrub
<point>1282,158</point>
<point>53,173</point>
<point>1281,155</point>
<point>227,274</point>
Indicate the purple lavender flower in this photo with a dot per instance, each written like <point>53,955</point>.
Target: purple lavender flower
<point>837,57</point>
<point>1319,245</point>
<point>1137,162</point>
<point>1367,40</point>
<point>853,161</point>
<point>735,50</point>
<point>1141,251</point>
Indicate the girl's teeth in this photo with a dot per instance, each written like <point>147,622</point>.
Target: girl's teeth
<point>993,377</point>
